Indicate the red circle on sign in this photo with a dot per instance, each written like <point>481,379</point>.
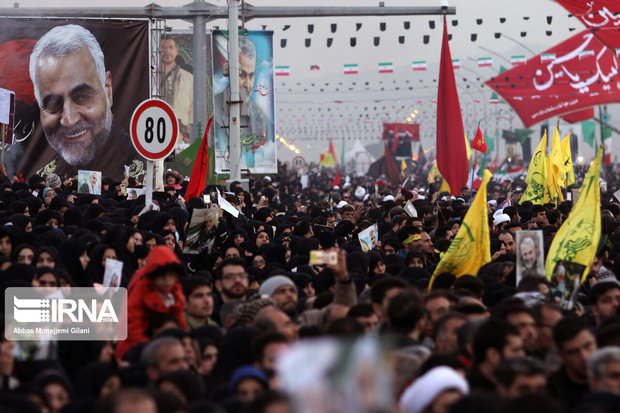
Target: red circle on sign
<point>299,158</point>
<point>147,104</point>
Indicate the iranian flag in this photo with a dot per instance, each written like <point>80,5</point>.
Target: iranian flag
<point>494,99</point>
<point>510,173</point>
<point>419,65</point>
<point>485,61</point>
<point>456,63</point>
<point>283,71</point>
<point>386,68</point>
<point>585,53</point>
<point>545,57</point>
<point>517,60</point>
<point>316,67</point>
<point>351,69</point>
<point>608,151</point>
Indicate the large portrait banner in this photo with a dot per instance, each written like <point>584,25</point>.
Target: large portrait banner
<point>258,146</point>
<point>76,84</point>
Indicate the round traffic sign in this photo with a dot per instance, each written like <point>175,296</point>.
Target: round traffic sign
<point>299,162</point>
<point>154,129</point>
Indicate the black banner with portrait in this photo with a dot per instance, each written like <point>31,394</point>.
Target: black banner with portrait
<point>90,75</point>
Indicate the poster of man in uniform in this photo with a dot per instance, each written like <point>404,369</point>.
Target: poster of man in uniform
<point>258,148</point>
<point>76,84</point>
<point>530,255</point>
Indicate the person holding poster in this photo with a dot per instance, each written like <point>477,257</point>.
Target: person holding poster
<point>530,254</point>
<point>90,182</point>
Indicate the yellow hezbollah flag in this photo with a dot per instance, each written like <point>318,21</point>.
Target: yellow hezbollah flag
<point>471,248</point>
<point>536,191</point>
<point>569,172</point>
<point>403,166</point>
<point>433,173</point>
<point>327,159</point>
<point>555,170</point>
<point>539,156</point>
<point>578,237</point>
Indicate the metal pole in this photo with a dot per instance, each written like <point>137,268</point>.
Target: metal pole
<point>600,115</point>
<point>234,106</point>
<point>213,12</point>
<point>149,182</point>
<point>199,50</point>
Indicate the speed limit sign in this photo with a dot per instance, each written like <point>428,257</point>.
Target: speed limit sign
<point>154,129</point>
<point>299,162</point>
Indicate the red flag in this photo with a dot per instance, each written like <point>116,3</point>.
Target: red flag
<point>333,152</point>
<point>536,94</point>
<point>479,143</point>
<point>199,171</point>
<point>391,168</point>
<point>336,180</point>
<point>451,151</point>
<point>600,16</point>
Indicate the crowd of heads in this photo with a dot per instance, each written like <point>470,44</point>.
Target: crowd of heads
<point>207,328</point>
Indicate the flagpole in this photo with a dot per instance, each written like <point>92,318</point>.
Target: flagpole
<point>600,115</point>
<point>471,188</point>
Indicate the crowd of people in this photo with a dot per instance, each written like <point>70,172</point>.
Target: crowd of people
<point>206,330</point>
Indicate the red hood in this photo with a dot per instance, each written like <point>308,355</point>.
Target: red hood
<point>158,256</point>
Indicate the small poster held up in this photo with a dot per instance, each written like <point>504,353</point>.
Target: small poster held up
<point>112,275</point>
<point>565,283</point>
<point>134,193</point>
<point>368,238</point>
<point>530,254</point>
<point>202,230</point>
<point>89,182</point>
<point>410,210</point>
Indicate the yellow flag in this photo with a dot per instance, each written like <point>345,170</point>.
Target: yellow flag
<point>578,237</point>
<point>569,172</point>
<point>444,186</point>
<point>555,171</point>
<point>433,173</point>
<point>553,190</point>
<point>555,156</point>
<point>327,159</point>
<point>538,158</point>
<point>537,174</point>
<point>471,248</point>
<point>467,147</point>
<point>403,166</point>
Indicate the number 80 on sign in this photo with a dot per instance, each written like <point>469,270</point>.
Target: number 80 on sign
<point>154,129</point>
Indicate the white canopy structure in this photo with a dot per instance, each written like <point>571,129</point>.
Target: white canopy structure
<point>358,159</point>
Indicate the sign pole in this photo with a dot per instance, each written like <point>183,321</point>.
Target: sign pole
<point>149,182</point>
<point>234,106</point>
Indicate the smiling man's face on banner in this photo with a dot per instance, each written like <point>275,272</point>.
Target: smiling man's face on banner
<point>75,106</point>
